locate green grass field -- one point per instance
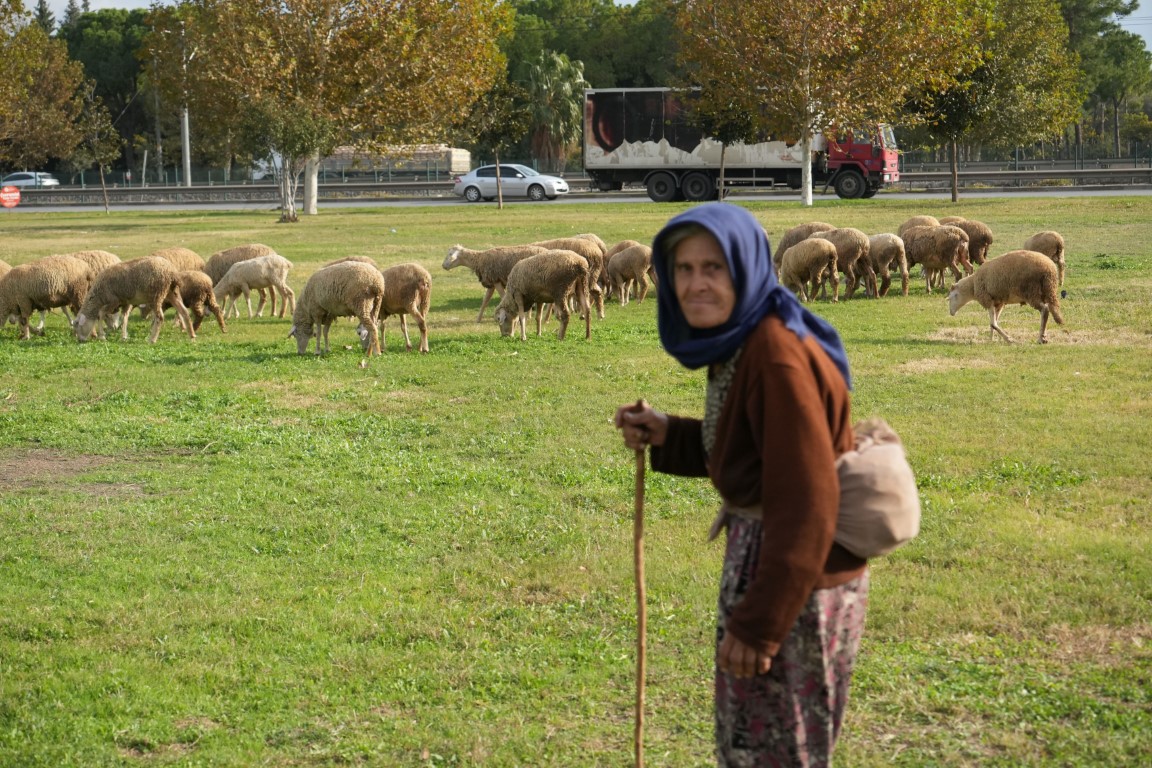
(219, 553)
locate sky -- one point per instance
(1139, 22)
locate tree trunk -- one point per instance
(1117, 105)
(806, 168)
(720, 189)
(311, 183)
(955, 168)
(289, 181)
(104, 188)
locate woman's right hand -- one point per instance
(640, 425)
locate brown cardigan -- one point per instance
(784, 422)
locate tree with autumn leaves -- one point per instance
(797, 68)
(303, 76)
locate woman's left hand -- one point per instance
(741, 660)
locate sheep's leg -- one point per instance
(599, 296)
(994, 317)
(562, 314)
(1043, 324)
(287, 296)
(374, 343)
(540, 313)
(25, 329)
(323, 332)
(177, 301)
(487, 296)
(215, 308)
(248, 300)
(522, 320)
(643, 289)
(404, 330)
(157, 322)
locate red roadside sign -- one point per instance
(9, 196)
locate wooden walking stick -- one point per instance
(641, 606)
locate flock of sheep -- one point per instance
(811, 256)
(560, 276)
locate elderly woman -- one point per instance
(776, 417)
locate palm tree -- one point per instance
(555, 87)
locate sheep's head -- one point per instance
(452, 259)
(303, 334)
(365, 336)
(83, 327)
(504, 320)
(960, 295)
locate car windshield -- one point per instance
(525, 170)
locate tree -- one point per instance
(817, 64)
(43, 16)
(99, 140)
(1124, 69)
(1024, 88)
(555, 87)
(371, 73)
(106, 43)
(42, 101)
(499, 120)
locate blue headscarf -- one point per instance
(758, 293)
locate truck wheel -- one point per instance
(698, 187)
(870, 192)
(850, 185)
(662, 187)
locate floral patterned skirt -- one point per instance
(791, 716)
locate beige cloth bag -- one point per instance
(879, 502)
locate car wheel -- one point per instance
(662, 187)
(472, 194)
(536, 193)
(850, 185)
(699, 187)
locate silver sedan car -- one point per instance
(516, 180)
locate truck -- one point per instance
(646, 136)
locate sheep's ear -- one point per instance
(292, 332)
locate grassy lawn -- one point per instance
(220, 553)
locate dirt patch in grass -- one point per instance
(1102, 337)
(42, 466)
(1104, 645)
(941, 365)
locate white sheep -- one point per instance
(886, 251)
(183, 258)
(348, 289)
(795, 235)
(53, 281)
(1017, 277)
(361, 259)
(917, 221)
(149, 281)
(243, 277)
(630, 268)
(407, 291)
(96, 259)
(1051, 244)
(553, 276)
(221, 261)
(593, 253)
(807, 262)
(937, 248)
(851, 259)
(491, 266)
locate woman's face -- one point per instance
(703, 283)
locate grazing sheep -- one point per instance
(886, 251)
(347, 289)
(491, 266)
(1023, 277)
(269, 272)
(630, 268)
(611, 254)
(979, 238)
(197, 294)
(937, 248)
(795, 235)
(808, 261)
(149, 281)
(407, 291)
(1051, 244)
(221, 261)
(53, 281)
(5, 267)
(361, 259)
(917, 221)
(183, 258)
(594, 255)
(596, 239)
(553, 276)
(851, 259)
